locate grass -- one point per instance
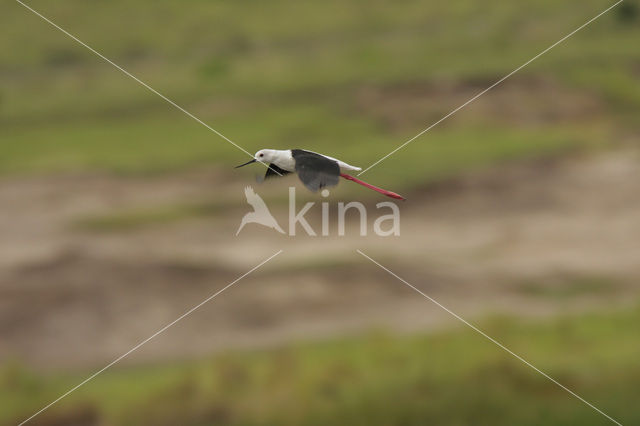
(266, 80)
(452, 377)
(568, 288)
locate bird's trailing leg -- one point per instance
(375, 188)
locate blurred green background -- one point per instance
(289, 74)
(103, 180)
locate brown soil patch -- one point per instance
(525, 238)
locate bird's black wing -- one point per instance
(314, 170)
(275, 171)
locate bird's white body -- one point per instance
(283, 159)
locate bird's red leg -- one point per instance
(375, 188)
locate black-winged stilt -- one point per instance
(316, 171)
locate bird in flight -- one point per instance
(260, 213)
(316, 171)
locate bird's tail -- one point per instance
(375, 188)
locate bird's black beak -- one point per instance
(248, 162)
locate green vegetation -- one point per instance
(454, 377)
(265, 79)
(568, 288)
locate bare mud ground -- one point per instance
(536, 238)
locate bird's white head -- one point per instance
(266, 155)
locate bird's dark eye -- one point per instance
(261, 155)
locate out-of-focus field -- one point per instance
(350, 78)
(118, 212)
(456, 377)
